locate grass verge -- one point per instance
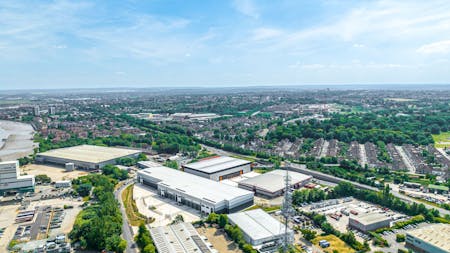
(134, 216)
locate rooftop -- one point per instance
(216, 164)
(178, 238)
(195, 186)
(435, 234)
(89, 153)
(369, 218)
(274, 180)
(438, 187)
(257, 224)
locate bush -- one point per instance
(400, 237)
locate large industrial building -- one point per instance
(261, 230)
(218, 168)
(369, 221)
(11, 181)
(272, 184)
(430, 239)
(88, 157)
(199, 193)
(179, 238)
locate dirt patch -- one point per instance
(218, 239)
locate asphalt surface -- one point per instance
(126, 228)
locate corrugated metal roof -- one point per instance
(178, 238)
(257, 224)
(370, 218)
(215, 164)
(89, 153)
(274, 180)
(437, 235)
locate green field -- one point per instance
(335, 244)
(442, 140)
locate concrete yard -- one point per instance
(54, 172)
(7, 215)
(162, 209)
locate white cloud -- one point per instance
(439, 47)
(246, 7)
(265, 33)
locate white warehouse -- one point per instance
(12, 181)
(218, 168)
(196, 192)
(261, 230)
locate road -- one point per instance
(126, 228)
(405, 159)
(396, 193)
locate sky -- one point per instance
(156, 43)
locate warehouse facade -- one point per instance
(261, 230)
(218, 168)
(272, 184)
(430, 239)
(202, 194)
(369, 221)
(11, 180)
(87, 157)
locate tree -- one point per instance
(150, 248)
(116, 244)
(43, 179)
(144, 241)
(84, 189)
(308, 234)
(223, 220)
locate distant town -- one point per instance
(229, 171)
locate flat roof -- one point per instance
(438, 187)
(274, 180)
(370, 218)
(195, 186)
(89, 153)
(257, 224)
(435, 234)
(178, 238)
(216, 164)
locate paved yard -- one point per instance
(162, 209)
(54, 172)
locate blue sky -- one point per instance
(69, 44)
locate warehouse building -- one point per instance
(179, 238)
(261, 230)
(87, 157)
(272, 184)
(218, 168)
(369, 221)
(202, 194)
(11, 181)
(430, 239)
(440, 189)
